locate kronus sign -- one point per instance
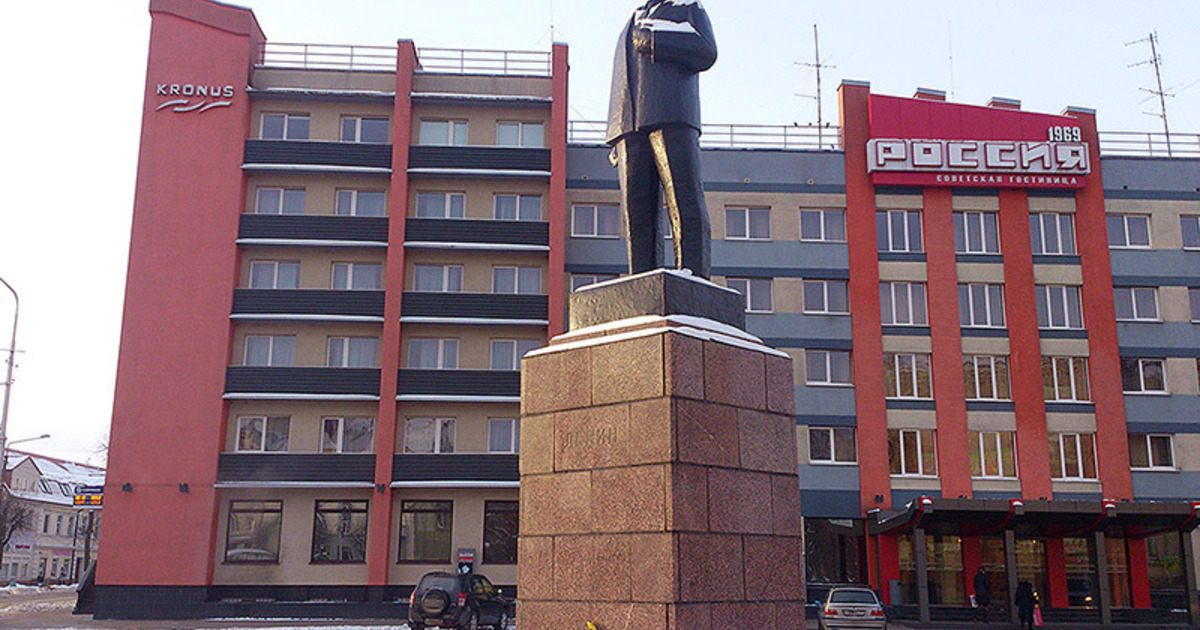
(992, 163)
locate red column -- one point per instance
(1139, 572)
(889, 565)
(972, 556)
(558, 191)
(1056, 567)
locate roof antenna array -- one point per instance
(817, 65)
(1156, 61)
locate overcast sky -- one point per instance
(74, 74)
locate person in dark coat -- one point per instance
(654, 129)
(1025, 601)
(983, 597)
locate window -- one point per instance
(981, 305)
(1052, 234)
(1143, 375)
(517, 208)
(284, 127)
(354, 352)
(441, 205)
(279, 201)
(523, 280)
(582, 280)
(829, 297)
(340, 532)
(357, 276)
(425, 530)
(986, 377)
(361, 203)
(827, 367)
(832, 445)
(252, 535)
(444, 132)
(520, 134)
(348, 435)
(263, 434)
(433, 354)
(823, 225)
(912, 452)
(1151, 451)
(1194, 299)
(1072, 456)
(993, 454)
(899, 231)
(596, 221)
(1128, 230)
(504, 435)
(356, 129)
(500, 526)
(1136, 303)
(1065, 379)
(1190, 226)
(437, 278)
(507, 353)
(270, 350)
(903, 304)
(272, 274)
(747, 224)
(976, 233)
(907, 375)
(756, 290)
(429, 435)
(1058, 306)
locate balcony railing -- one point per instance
(327, 56)
(797, 137)
(499, 62)
(1149, 144)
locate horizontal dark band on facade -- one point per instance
(809, 344)
(1070, 407)
(1046, 333)
(995, 495)
(1156, 281)
(299, 467)
(314, 302)
(321, 96)
(1047, 259)
(1162, 352)
(830, 504)
(251, 601)
(915, 191)
(990, 405)
(1153, 195)
(782, 272)
(827, 421)
(991, 333)
(912, 405)
(477, 231)
(901, 498)
(901, 257)
(906, 331)
(1078, 496)
(478, 158)
(455, 467)
(980, 259)
(494, 306)
(1049, 193)
(495, 383)
(1138, 426)
(727, 187)
(307, 227)
(302, 380)
(613, 270)
(312, 153)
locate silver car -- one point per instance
(851, 607)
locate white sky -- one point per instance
(68, 185)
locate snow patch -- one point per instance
(666, 26)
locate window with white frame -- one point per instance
(993, 454)
(912, 452)
(517, 208)
(433, 354)
(1194, 301)
(354, 434)
(981, 305)
(429, 435)
(263, 434)
(274, 274)
(365, 129)
(1058, 306)
(284, 127)
(357, 276)
(748, 224)
(580, 280)
(279, 201)
(530, 135)
(507, 353)
(596, 221)
(443, 132)
(437, 278)
(441, 205)
(1139, 376)
(1073, 456)
(1052, 233)
(270, 350)
(522, 280)
(1151, 451)
(361, 203)
(976, 233)
(504, 435)
(1136, 303)
(832, 445)
(903, 304)
(1128, 231)
(826, 297)
(757, 292)
(823, 226)
(986, 377)
(827, 367)
(353, 352)
(907, 375)
(1065, 379)
(1190, 227)
(899, 231)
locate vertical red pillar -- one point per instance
(558, 190)
(1139, 572)
(1056, 567)
(972, 555)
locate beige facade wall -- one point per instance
(470, 421)
(375, 81)
(320, 191)
(1174, 305)
(972, 203)
(986, 345)
(325, 117)
(479, 195)
(316, 263)
(1187, 451)
(899, 202)
(1071, 422)
(477, 268)
(903, 272)
(1181, 377)
(1065, 347)
(1164, 218)
(980, 273)
(911, 419)
(474, 342)
(991, 421)
(1071, 275)
(304, 429)
(489, 85)
(1052, 204)
(481, 121)
(467, 531)
(312, 339)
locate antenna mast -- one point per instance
(1156, 60)
(817, 65)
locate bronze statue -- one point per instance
(654, 129)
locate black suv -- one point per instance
(460, 601)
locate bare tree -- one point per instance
(15, 516)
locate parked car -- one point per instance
(457, 601)
(851, 607)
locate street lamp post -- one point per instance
(8, 380)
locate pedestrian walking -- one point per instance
(1026, 601)
(983, 597)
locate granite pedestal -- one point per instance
(658, 472)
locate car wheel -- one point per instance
(435, 602)
(502, 622)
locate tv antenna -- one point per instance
(817, 65)
(1156, 61)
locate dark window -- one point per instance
(425, 531)
(253, 532)
(340, 532)
(500, 532)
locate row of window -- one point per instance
(373, 203)
(356, 434)
(295, 126)
(993, 454)
(363, 352)
(285, 274)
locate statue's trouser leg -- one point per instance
(639, 198)
(677, 155)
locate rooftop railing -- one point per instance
(496, 62)
(1149, 144)
(794, 137)
(327, 56)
